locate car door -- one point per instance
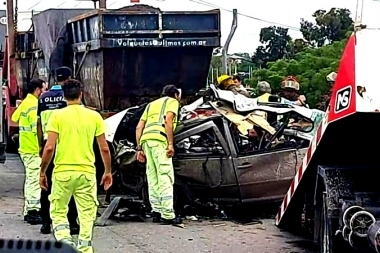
(205, 169)
(267, 176)
(264, 175)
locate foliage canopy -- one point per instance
(309, 59)
(310, 67)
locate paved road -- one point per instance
(220, 237)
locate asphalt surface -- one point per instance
(145, 237)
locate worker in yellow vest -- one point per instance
(71, 131)
(155, 146)
(264, 90)
(26, 118)
(48, 102)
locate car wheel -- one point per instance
(180, 200)
(144, 195)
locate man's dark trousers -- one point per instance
(45, 203)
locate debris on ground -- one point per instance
(219, 225)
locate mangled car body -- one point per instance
(229, 149)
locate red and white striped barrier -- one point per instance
(301, 170)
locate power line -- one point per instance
(34, 5)
(61, 4)
(205, 3)
(39, 2)
(112, 3)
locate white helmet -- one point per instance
(264, 87)
(331, 77)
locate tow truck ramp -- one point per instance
(301, 171)
(341, 216)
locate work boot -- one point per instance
(156, 217)
(45, 229)
(34, 217)
(74, 229)
(177, 221)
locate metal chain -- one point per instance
(15, 25)
(15, 18)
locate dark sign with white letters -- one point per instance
(343, 99)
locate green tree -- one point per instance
(245, 63)
(310, 67)
(242, 61)
(216, 62)
(328, 27)
(276, 45)
(296, 46)
(216, 67)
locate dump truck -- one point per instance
(2, 99)
(335, 196)
(123, 57)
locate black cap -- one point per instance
(63, 72)
(170, 89)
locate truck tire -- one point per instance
(10, 146)
(325, 239)
(329, 242)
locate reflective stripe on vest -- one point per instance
(25, 114)
(24, 123)
(28, 128)
(156, 130)
(27, 123)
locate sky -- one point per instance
(288, 13)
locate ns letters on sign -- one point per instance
(343, 99)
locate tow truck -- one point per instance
(335, 195)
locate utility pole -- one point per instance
(358, 24)
(228, 41)
(10, 28)
(11, 36)
(102, 4)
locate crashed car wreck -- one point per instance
(229, 149)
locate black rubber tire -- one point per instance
(144, 195)
(10, 146)
(324, 232)
(328, 241)
(180, 198)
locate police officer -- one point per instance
(71, 131)
(48, 102)
(26, 117)
(155, 145)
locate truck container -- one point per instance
(123, 57)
